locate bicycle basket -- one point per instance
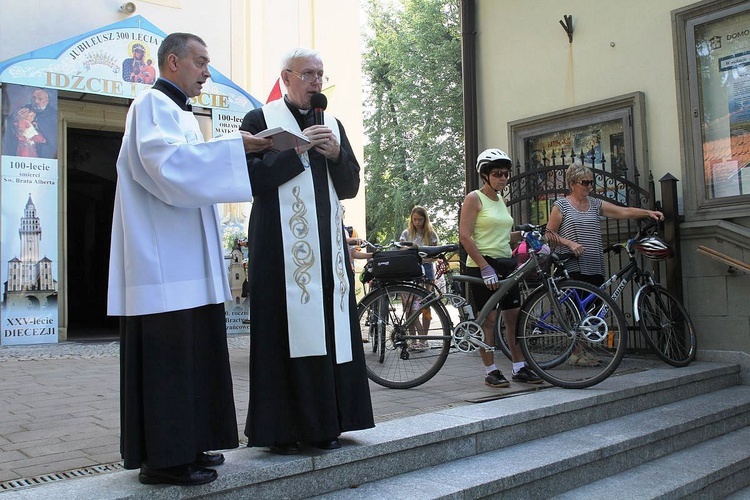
(653, 248)
(397, 264)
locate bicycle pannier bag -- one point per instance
(397, 264)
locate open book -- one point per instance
(283, 139)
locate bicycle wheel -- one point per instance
(666, 325)
(412, 340)
(587, 353)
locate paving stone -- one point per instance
(83, 445)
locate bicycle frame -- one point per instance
(625, 276)
(505, 285)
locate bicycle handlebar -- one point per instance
(380, 248)
(651, 223)
(645, 230)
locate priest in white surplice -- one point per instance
(167, 276)
(308, 382)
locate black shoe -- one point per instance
(496, 379)
(527, 376)
(328, 444)
(181, 475)
(205, 459)
(285, 449)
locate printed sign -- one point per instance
(28, 252)
(234, 220)
(118, 60)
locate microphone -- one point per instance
(318, 102)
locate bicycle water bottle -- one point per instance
(533, 241)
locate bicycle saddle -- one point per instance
(430, 251)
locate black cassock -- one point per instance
(310, 398)
(175, 387)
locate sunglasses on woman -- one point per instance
(500, 173)
(586, 183)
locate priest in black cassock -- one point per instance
(308, 382)
(167, 276)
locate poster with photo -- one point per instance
(589, 143)
(722, 52)
(234, 220)
(28, 253)
(29, 117)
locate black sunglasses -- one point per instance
(586, 182)
(500, 173)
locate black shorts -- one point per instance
(480, 294)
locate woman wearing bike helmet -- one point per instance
(485, 233)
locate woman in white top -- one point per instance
(575, 221)
(420, 233)
(574, 226)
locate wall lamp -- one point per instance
(128, 8)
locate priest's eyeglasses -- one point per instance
(309, 76)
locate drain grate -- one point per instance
(58, 476)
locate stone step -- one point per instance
(442, 439)
(712, 469)
(611, 449)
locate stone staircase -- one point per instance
(658, 433)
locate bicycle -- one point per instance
(389, 315)
(662, 319)
(376, 335)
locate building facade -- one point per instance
(75, 173)
(647, 90)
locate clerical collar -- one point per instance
(294, 109)
(173, 92)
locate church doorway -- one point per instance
(91, 179)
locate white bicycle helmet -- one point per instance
(494, 156)
(654, 248)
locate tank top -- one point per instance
(492, 229)
(584, 228)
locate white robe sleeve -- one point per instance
(169, 158)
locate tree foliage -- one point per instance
(414, 115)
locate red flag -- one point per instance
(275, 92)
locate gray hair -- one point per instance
(576, 172)
(298, 53)
(177, 44)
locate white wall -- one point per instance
(527, 67)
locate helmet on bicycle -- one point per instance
(493, 158)
(654, 248)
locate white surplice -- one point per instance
(167, 251)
